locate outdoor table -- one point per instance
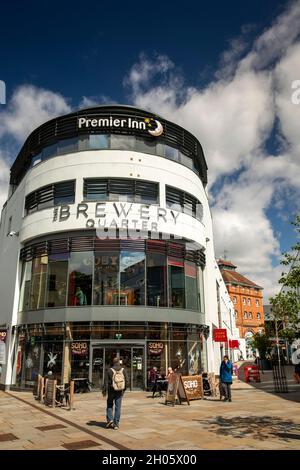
(161, 385)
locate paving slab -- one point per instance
(256, 419)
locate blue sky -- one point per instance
(221, 69)
(78, 49)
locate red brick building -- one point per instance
(247, 299)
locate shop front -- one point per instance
(85, 351)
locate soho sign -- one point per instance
(117, 215)
(153, 126)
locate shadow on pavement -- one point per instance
(100, 424)
(267, 383)
(255, 427)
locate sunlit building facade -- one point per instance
(106, 239)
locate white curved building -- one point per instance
(107, 249)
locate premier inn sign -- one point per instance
(124, 215)
(152, 126)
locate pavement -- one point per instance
(256, 419)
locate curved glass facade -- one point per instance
(115, 142)
(129, 273)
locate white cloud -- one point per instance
(28, 108)
(233, 117)
(89, 101)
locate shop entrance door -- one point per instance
(133, 358)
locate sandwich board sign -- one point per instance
(193, 386)
(176, 390)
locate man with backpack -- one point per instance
(115, 384)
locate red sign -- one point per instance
(220, 335)
(233, 344)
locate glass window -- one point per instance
(185, 160)
(250, 315)
(38, 283)
(80, 278)
(257, 303)
(83, 142)
(244, 301)
(67, 146)
(132, 283)
(156, 280)
(191, 286)
(145, 146)
(121, 189)
(236, 314)
(249, 301)
(95, 189)
(122, 142)
(106, 278)
(160, 149)
(57, 280)
(49, 152)
(201, 291)
(98, 141)
(171, 153)
(258, 316)
(37, 159)
(64, 193)
(176, 283)
(234, 300)
(25, 286)
(245, 315)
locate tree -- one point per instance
(262, 343)
(286, 304)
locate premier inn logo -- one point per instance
(152, 126)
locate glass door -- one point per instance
(132, 359)
(137, 371)
(97, 375)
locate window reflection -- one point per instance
(191, 286)
(25, 286)
(156, 280)
(132, 282)
(111, 278)
(115, 142)
(38, 283)
(106, 279)
(176, 283)
(57, 280)
(80, 278)
(99, 141)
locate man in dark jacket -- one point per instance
(226, 371)
(115, 384)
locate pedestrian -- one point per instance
(170, 372)
(114, 386)
(152, 378)
(226, 371)
(296, 374)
